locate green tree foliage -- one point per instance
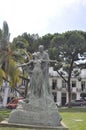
(22, 55)
(71, 44)
(19, 43)
(61, 47)
(33, 41)
(55, 44)
(45, 40)
(7, 61)
(5, 36)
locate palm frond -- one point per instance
(14, 73)
(2, 75)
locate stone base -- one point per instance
(44, 118)
(14, 125)
(38, 112)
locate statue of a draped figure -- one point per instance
(36, 82)
(40, 77)
(38, 108)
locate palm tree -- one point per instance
(10, 57)
(8, 66)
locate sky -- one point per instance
(42, 16)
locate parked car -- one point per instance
(14, 102)
(77, 103)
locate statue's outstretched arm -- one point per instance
(25, 64)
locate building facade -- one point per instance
(60, 90)
(58, 87)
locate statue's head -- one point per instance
(41, 48)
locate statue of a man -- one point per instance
(44, 58)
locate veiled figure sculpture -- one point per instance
(40, 77)
(38, 108)
(36, 82)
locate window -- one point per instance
(54, 84)
(63, 99)
(63, 84)
(82, 85)
(73, 96)
(73, 84)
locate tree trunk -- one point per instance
(69, 86)
(6, 90)
(69, 95)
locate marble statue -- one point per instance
(40, 108)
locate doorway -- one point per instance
(63, 98)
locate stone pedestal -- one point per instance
(31, 127)
(40, 112)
